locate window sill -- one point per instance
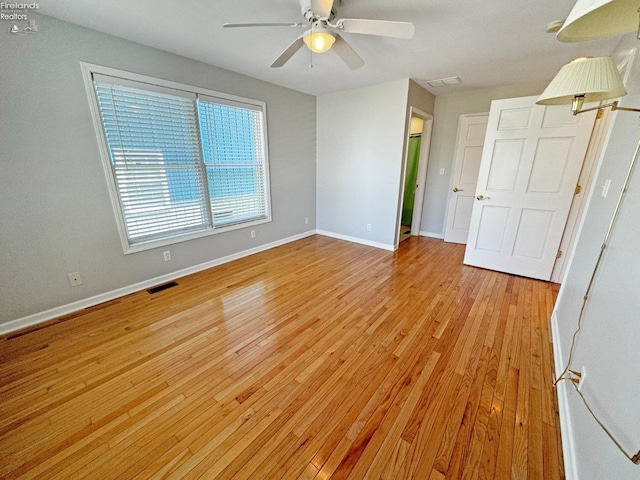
(151, 244)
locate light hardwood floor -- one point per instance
(318, 359)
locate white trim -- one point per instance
(56, 312)
(384, 246)
(577, 213)
(141, 247)
(564, 412)
(88, 69)
(432, 235)
(137, 77)
(421, 176)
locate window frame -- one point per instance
(88, 70)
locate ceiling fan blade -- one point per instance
(322, 8)
(276, 24)
(346, 53)
(383, 28)
(284, 57)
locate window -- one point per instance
(181, 162)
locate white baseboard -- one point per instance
(432, 235)
(56, 312)
(566, 431)
(384, 246)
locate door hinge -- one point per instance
(599, 114)
(559, 254)
(578, 189)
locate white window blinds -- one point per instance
(233, 149)
(181, 164)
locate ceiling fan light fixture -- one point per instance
(319, 40)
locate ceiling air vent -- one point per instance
(442, 82)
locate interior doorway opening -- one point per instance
(414, 174)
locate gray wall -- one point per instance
(55, 211)
(361, 135)
(447, 111)
(420, 98)
(609, 343)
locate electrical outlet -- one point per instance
(167, 255)
(74, 279)
(253, 234)
(442, 171)
(306, 220)
(368, 227)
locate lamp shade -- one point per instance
(594, 79)
(319, 40)
(592, 19)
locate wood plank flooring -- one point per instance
(317, 359)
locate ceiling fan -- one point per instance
(322, 32)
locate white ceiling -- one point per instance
(486, 43)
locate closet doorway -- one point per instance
(414, 174)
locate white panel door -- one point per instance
(471, 132)
(528, 173)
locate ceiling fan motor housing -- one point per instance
(310, 15)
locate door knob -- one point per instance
(482, 197)
(456, 189)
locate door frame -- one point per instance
(585, 182)
(423, 160)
